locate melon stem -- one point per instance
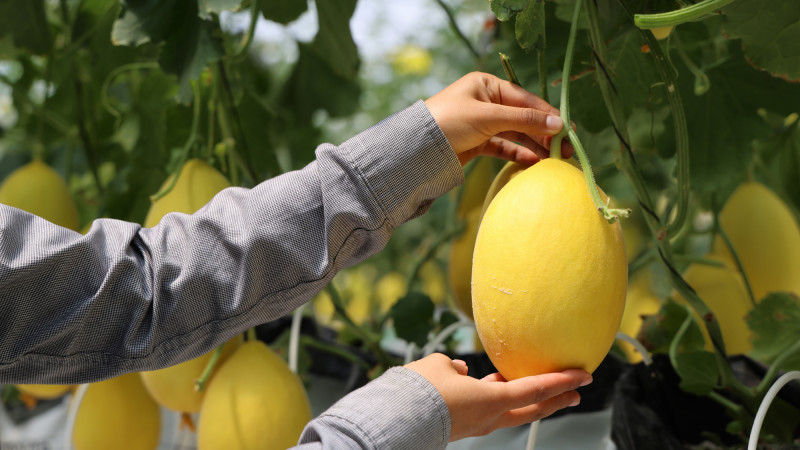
(555, 145)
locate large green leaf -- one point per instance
(314, 85)
(770, 34)
(505, 9)
(530, 26)
(190, 43)
(333, 42)
(283, 11)
(26, 21)
(775, 323)
(413, 318)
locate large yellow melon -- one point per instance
(198, 182)
(468, 211)
(117, 413)
(254, 402)
(38, 189)
(723, 291)
(766, 237)
(174, 386)
(549, 275)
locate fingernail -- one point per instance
(554, 123)
(587, 381)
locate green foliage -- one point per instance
(775, 323)
(26, 22)
(413, 318)
(770, 34)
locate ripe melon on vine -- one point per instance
(198, 182)
(722, 289)
(766, 237)
(174, 387)
(253, 402)
(117, 413)
(549, 274)
(459, 267)
(38, 189)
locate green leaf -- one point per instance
(775, 323)
(190, 43)
(698, 371)
(781, 153)
(659, 330)
(315, 85)
(505, 9)
(333, 43)
(145, 21)
(530, 26)
(770, 34)
(207, 7)
(283, 11)
(26, 21)
(413, 317)
(189, 51)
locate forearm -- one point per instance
(399, 410)
(122, 298)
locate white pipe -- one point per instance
(638, 346)
(534, 430)
(762, 409)
(294, 337)
(72, 414)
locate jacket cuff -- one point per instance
(400, 409)
(414, 149)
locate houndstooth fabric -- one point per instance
(80, 308)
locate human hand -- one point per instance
(481, 114)
(478, 407)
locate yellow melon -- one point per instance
(198, 182)
(766, 238)
(254, 402)
(459, 267)
(549, 275)
(174, 387)
(117, 413)
(44, 391)
(38, 189)
(723, 291)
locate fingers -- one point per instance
(506, 93)
(460, 366)
(539, 411)
(497, 118)
(535, 389)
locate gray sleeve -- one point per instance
(77, 309)
(400, 410)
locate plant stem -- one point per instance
(679, 16)
(251, 334)
(187, 146)
(334, 350)
(440, 240)
(370, 339)
(247, 39)
(244, 154)
(739, 266)
(454, 26)
(769, 377)
(733, 407)
(201, 381)
(542, 64)
(107, 83)
(505, 61)
(555, 144)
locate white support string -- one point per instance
(294, 337)
(534, 430)
(72, 414)
(762, 409)
(638, 346)
(431, 346)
